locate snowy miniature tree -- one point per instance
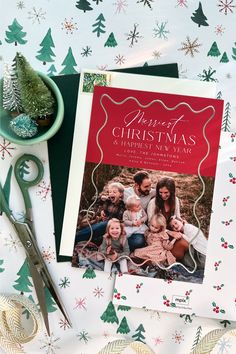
(46, 53)
(11, 93)
(138, 335)
(83, 5)
(69, 63)
(109, 315)
(23, 283)
(99, 25)
(36, 97)
(123, 327)
(214, 50)
(199, 17)
(224, 58)
(15, 34)
(111, 42)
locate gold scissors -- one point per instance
(25, 231)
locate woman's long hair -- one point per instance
(169, 183)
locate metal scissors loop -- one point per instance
(39, 272)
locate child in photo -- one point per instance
(134, 217)
(115, 245)
(159, 245)
(196, 239)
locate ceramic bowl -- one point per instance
(44, 133)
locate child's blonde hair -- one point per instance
(131, 201)
(107, 236)
(160, 220)
(117, 185)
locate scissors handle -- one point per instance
(26, 184)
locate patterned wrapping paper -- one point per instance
(152, 32)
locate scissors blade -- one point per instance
(39, 289)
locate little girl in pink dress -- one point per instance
(159, 245)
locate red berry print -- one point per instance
(232, 178)
(217, 309)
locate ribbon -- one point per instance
(12, 333)
(117, 346)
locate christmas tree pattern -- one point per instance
(139, 334)
(97, 1)
(83, 5)
(15, 35)
(50, 303)
(26, 312)
(46, 53)
(99, 25)
(123, 308)
(23, 283)
(197, 337)
(111, 42)
(199, 17)
(214, 50)
(69, 63)
(226, 118)
(1, 263)
(234, 52)
(52, 70)
(123, 327)
(109, 315)
(224, 58)
(89, 273)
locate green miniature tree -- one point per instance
(99, 25)
(15, 35)
(139, 336)
(83, 5)
(234, 52)
(123, 327)
(69, 63)
(23, 283)
(111, 42)
(37, 99)
(1, 263)
(89, 273)
(199, 17)
(226, 118)
(109, 315)
(224, 58)
(50, 303)
(46, 53)
(52, 70)
(214, 50)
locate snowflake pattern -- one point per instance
(219, 30)
(156, 54)
(83, 336)
(226, 6)
(86, 51)
(64, 283)
(36, 15)
(98, 292)
(5, 149)
(207, 75)
(160, 30)
(44, 190)
(12, 243)
(69, 26)
(157, 341)
(145, 2)
(178, 337)
(182, 3)
(119, 59)
(120, 6)
(224, 344)
(48, 255)
(63, 323)
(133, 36)
(80, 304)
(20, 5)
(190, 47)
(49, 344)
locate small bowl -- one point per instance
(44, 133)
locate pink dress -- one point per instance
(158, 249)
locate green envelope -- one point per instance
(59, 147)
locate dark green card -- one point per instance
(59, 147)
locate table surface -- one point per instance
(152, 32)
